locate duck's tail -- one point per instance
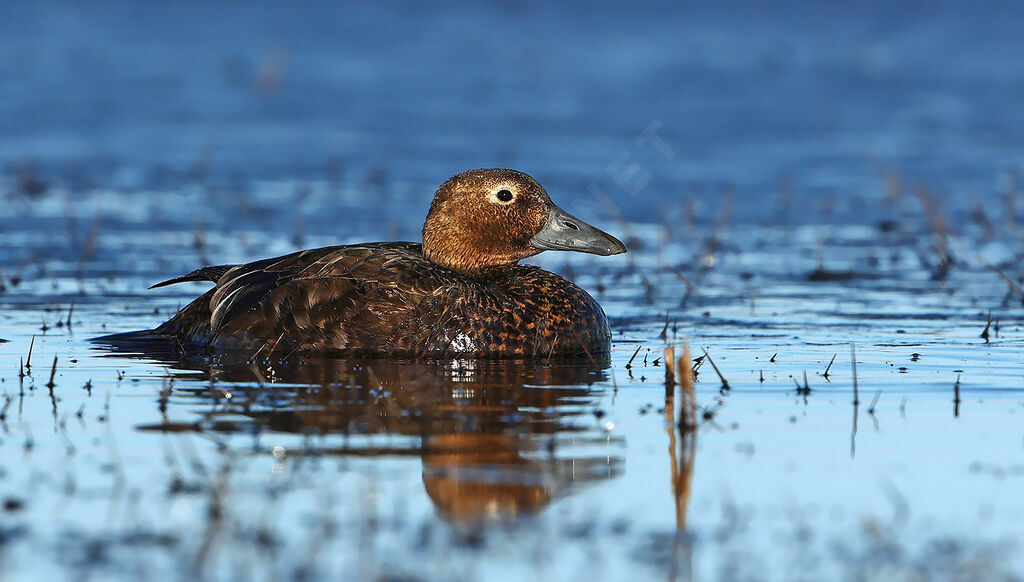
(127, 337)
(146, 341)
(211, 274)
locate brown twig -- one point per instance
(28, 360)
(687, 391)
(1013, 284)
(629, 364)
(725, 383)
(53, 372)
(670, 375)
(830, 366)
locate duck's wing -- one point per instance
(238, 287)
(328, 299)
(245, 286)
(319, 297)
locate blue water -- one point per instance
(748, 94)
(788, 178)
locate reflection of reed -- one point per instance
(682, 436)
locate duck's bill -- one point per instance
(565, 232)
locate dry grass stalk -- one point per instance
(687, 391)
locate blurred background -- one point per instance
(644, 103)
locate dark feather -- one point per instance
(211, 274)
(245, 286)
(387, 297)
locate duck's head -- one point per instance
(482, 220)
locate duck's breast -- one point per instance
(526, 312)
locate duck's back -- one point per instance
(387, 298)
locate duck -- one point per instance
(461, 292)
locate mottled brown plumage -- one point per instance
(459, 293)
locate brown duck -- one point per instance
(461, 292)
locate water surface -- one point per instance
(793, 183)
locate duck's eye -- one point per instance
(505, 195)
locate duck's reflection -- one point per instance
(498, 439)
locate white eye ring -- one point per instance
(503, 195)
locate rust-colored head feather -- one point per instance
(483, 220)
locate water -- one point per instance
(790, 181)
